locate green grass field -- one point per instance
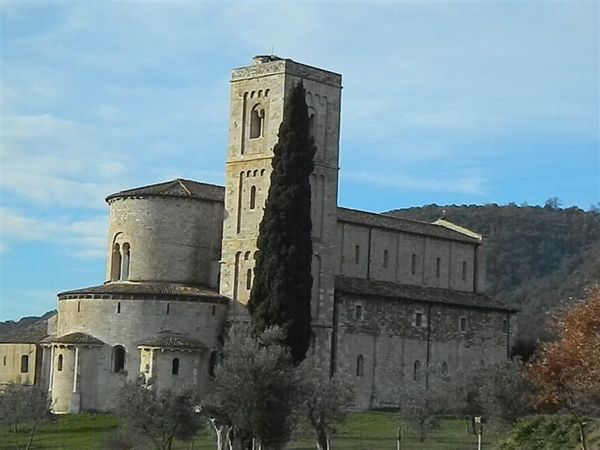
(362, 431)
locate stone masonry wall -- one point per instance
(10, 363)
(392, 255)
(171, 239)
(130, 322)
(390, 339)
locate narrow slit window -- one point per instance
(311, 125)
(386, 258)
(118, 359)
(444, 368)
(437, 267)
(360, 366)
(413, 267)
(358, 312)
(175, 366)
(119, 308)
(125, 262)
(253, 197)
(168, 308)
(78, 306)
(464, 270)
(257, 117)
(212, 363)
(115, 266)
(59, 363)
(249, 279)
(417, 370)
(4, 360)
(505, 326)
(418, 319)
(214, 309)
(357, 254)
(463, 324)
(24, 363)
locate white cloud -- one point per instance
(53, 161)
(472, 185)
(86, 237)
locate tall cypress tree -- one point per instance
(283, 280)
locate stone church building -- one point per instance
(393, 299)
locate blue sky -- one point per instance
(466, 103)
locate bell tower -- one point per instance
(258, 96)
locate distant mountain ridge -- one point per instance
(27, 329)
(538, 258)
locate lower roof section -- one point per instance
(74, 339)
(173, 341)
(147, 290)
(399, 291)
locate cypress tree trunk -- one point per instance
(283, 280)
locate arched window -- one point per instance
(175, 366)
(413, 267)
(253, 197)
(386, 258)
(417, 370)
(257, 118)
(444, 368)
(115, 265)
(357, 254)
(125, 262)
(360, 366)
(59, 363)
(249, 279)
(212, 363)
(24, 364)
(118, 358)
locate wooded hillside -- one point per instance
(537, 258)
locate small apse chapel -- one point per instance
(393, 302)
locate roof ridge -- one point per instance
(180, 181)
(178, 187)
(385, 215)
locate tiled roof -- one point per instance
(174, 341)
(175, 188)
(396, 223)
(400, 291)
(146, 289)
(77, 338)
